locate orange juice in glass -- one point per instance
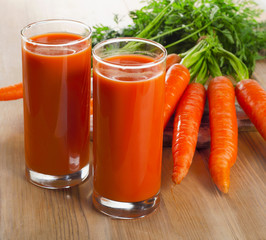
(128, 94)
(56, 59)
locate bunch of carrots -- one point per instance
(186, 99)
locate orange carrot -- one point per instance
(11, 92)
(252, 98)
(91, 106)
(176, 80)
(186, 127)
(224, 132)
(172, 59)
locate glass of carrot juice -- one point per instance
(128, 101)
(56, 60)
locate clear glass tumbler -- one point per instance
(56, 60)
(128, 102)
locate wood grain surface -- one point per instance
(195, 209)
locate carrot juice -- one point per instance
(128, 93)
(56, 81)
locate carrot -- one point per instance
(224, 132)
(252, 98)
(172, 59)
(11, 92)
(177, 78)
(186, 127)
(91, 106)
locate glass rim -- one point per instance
(160, 60)
(28, 40)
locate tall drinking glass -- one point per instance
(56, 59)
(128, 95)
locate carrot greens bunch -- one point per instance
(203, 60)
(178, 25)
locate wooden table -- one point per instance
(193, 210)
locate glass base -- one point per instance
(57, 182)
(125, 210)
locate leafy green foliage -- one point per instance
(235, 26)
(101, 33)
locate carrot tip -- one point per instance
(221, 179)
(224, 188)
(177, 177)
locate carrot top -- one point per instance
(202, 61)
